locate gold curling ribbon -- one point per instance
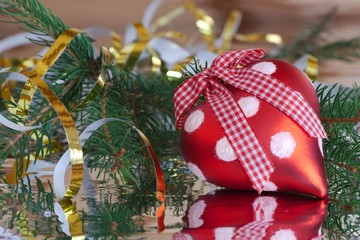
(18, 62)
(312, 67)
(116, 41)
(76, 154)
(23, 224)
(164, 20)
(228, 31)
(73, 218)
(36, 81)
(273, 38)
(42, 67)
(160, 182)
(6, 95)
(172, 34)
(204, 23)
(130, 54)
(116, 45)
(12, 177)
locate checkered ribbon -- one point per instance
(237, 130)
(252, 231)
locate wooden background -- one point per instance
(286, 17)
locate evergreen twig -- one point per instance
(307, 40)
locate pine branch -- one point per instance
(43, 22)
(345, 50)
(34, 16)
(307, 40)
(339, 103)
(340, 106)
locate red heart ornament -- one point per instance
(296, 156)
(245, 215)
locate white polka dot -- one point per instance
(264, 208)
(249, 105)
(195, 212)
(320, 142)
(194, 121)
(282, 144)
(224, 233)
(224, 151)
(284, 234)
(265, 67)
(270, 186)
(196, 171)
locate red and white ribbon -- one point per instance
(247, 148)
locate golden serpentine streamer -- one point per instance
(73, 218)
(127, 56)
(35, 81)
(312, 67)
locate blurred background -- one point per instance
(285, 17)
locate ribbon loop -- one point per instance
(188, 93)
(229, 67)
(235, 59)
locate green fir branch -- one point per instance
(43, 22)
(345, 50)
(340, 112)
(307, 40)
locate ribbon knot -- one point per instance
(230, 68)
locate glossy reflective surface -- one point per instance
(106, 209)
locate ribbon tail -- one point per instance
(246, 146)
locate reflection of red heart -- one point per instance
(297, 157)
(232, 215)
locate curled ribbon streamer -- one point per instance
(116, 40)
(17, 40)
(36, 81)
(130, 54)
(19, 62)
(6, 95)
(204, 23)
(59, 171)
(248, 150)
(308, 64)
(160, 182)
(16, 127)
(5, 88)
(76, 154)
(230, 28)
(163, 20)
(256, 37)
(23, 225)
(43, 66)
(68, 215)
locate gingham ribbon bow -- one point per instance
(247, 148)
